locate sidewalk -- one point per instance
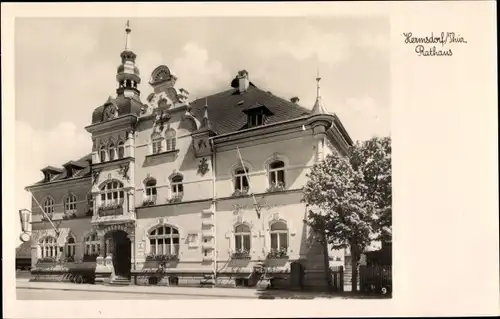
(235, 293)
(182, 291)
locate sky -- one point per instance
(65, 68)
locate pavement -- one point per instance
(56, 290)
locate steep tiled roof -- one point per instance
(83, 162)
(225, 109)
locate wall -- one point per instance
(59, 192)
(186, 217)
(297, 153)
(164, 166)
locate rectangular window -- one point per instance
(283, 240)
(238, 244)
(274, 241)
(157, 146)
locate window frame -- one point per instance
(70, 248)
(102, 154)
(48, 206)
(121, 149)
(150, 190)
(240, 236)
(155, 237)
(177, 187)
(170, 139)
(69, 202)
(238, 176)
(273, 173)
(106, 192)
(48, 247)
(278, 233)
(92, 244)
(112, 152)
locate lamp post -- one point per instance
(25, 216)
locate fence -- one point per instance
(374, 278)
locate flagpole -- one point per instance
(43, 211)
(248, 180)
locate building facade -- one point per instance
(198, 191)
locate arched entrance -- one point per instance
(121, 252)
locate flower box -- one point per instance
(281, 253)
(176, 198)
(276, 187)
(51, 260)
(162, 257)
(241, 254)
(240, 192)
(110, 210)
(148, 202)
(69, 216)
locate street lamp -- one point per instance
(24, 216)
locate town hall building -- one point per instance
(178, 191)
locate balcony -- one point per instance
(113, 212)
(113, 208)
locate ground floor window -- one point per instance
(48, 247)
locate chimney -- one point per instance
(294, 100)
(243, 81)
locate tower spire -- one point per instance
(318, 107)
(128, 76)
(206, 121)
(127, 38)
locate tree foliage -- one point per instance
(351, 196)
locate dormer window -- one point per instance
(50, 172)
(257, 115)
(255, 120)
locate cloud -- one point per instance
(36, 149)
(364, 118)
(376, 41)
(199, 73)
(330, 48)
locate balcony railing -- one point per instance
(112, 208)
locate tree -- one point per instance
(351, 199)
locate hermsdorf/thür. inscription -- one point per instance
(434, 45)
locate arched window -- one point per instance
(242, 238)
(112, 152)
(177, 187)
(121, 149)
(164, 240)
(151, 190)
(102, 154)
(70, 248)
(240, 179)
(48, 247)
(48, 206)
(112, 193)
(170, 137)
(157, 143)
(70, 204)
(277, 174)
(279, 236)
(92, 246)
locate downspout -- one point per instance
(214, 195)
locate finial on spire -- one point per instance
(318, 79)
(206, 121)
(318, 107)
(127, 39)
